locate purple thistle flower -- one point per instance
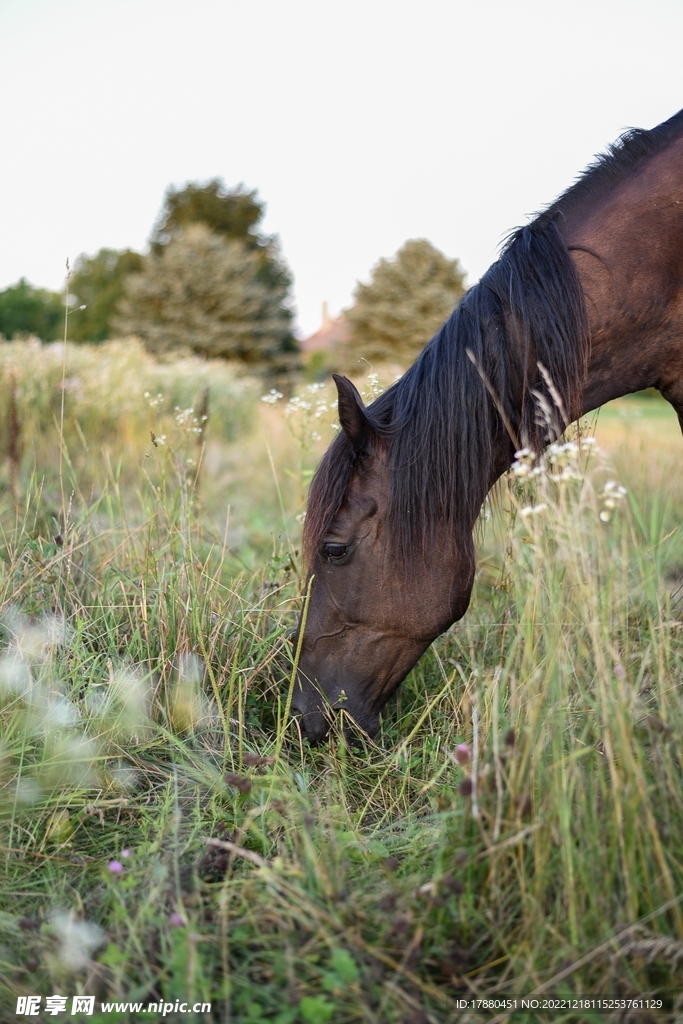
(462, 753)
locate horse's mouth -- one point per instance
(316, 723)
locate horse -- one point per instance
(584, 305)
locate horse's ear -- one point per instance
(352, 415)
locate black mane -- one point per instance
(510, 360)
(623, 158)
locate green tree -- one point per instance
(406, 301)
(28, 310)
(234, 214)
(97, 282)
(205, 292)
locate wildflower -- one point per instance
(295, 404)
(611, 494)
(374, 387)
(462, 753)
(615, 490)
(175, 920)
(116, 867)
(533, 510)
(524, 460)
(125, 854)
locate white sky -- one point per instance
(362, 123)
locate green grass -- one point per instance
(143, 687)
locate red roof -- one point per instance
(332, 333)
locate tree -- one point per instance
(97, 282)
(28, 310)
(406, 301)
(234, 214)
(205, 292)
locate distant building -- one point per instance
(332, 333)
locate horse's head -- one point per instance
(374, 608)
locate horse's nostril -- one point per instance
(314, 726)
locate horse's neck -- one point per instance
(629, 255)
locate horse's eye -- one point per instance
(334, 551)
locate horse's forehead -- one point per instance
(369, 477)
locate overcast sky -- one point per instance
(361, 124)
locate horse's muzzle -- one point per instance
(317, 715)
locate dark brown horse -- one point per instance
(585, 304)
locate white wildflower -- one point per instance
(611, 494)
(533, 510)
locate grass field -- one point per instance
(165, 834)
